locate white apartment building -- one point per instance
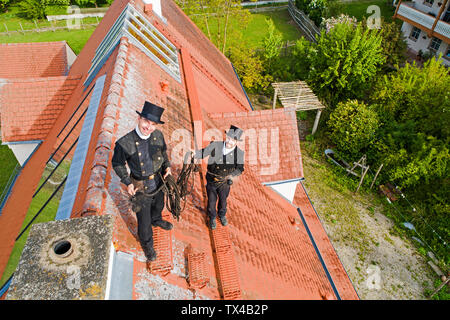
(426, 26)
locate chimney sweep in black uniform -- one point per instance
(145, 152)
(225, 162)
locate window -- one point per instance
(144, 36)
(447, 54)
(435, 44)
(414, 34)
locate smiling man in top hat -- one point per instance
(225, 162)
(145, 152)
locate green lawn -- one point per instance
(76, 38)
(8, 162)
(358, 9)
(48, 214)
(257, 27)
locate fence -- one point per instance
(46, 26)
(305, 24)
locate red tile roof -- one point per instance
(271, 141)
(38, 59)
(263, 253)
(29, 107)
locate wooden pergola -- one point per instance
(297, 94)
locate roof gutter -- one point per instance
(330, 279)
(237, 76)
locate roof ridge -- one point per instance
(215, 115)
(33, 43)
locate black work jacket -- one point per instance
(220, 164)
(144, 157)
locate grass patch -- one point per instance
(76, 38)
(257, 27)
(335, 200)
(48, 214)
(9, 162)
(358, 9)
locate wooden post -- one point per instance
(7, 31)
(376, 175)
(275, 98)
(21, 27)
(316, 121)
(438, 16)
(440, 287)
(362, 178)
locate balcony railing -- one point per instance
(415, 15)
(443, 28)
(425, 20)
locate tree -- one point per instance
(37, 9)
(352, 126)
(416, 94)
(85, 3)
(346, 61)
(393, 43)
(271, 44)
(249, 67)
(4, 5)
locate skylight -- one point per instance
(143, 35)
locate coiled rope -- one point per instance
(175, 192)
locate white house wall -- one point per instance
(423, 42)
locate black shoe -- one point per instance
(150, 253)
(212, 224)
(223, 220)
(166, 225)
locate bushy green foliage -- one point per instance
(302, 56)
(417, 94)
(249, 67)
(347, 60)
(272, 44)
(85, 3)
(37, 9)
(352, 126)
(315, 9)
(4, 5)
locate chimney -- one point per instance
(65, 260)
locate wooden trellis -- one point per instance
(297, 94)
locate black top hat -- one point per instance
(151, 112)
(235, 133)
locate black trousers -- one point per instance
(215, 192)
(150, 212)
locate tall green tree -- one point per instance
(249, 66)
(347, 60)
(271, 45)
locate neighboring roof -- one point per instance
(263, 253)
(29, 60)
(271, 141)
(29, 107)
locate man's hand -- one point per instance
(131, 189)
(168, 171)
